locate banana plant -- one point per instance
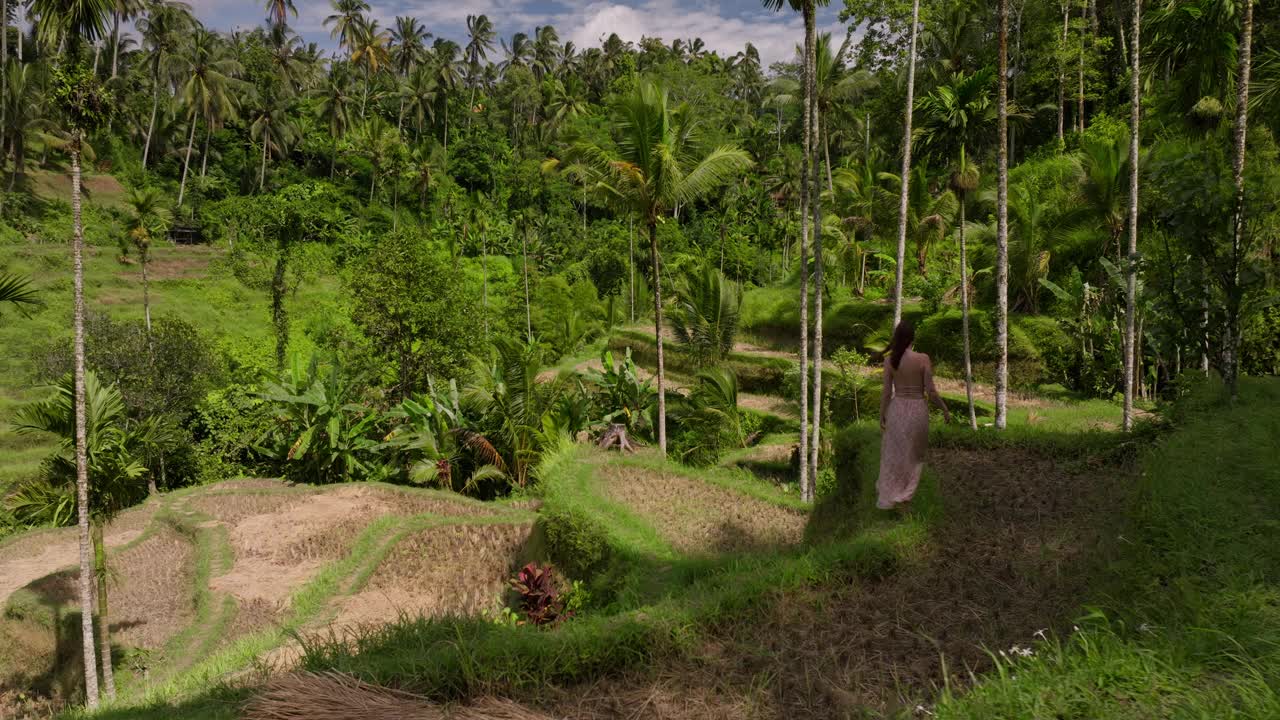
(319, 434)
(431, 443)
(626, 399)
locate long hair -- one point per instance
(903, 336)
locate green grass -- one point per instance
(1190, 624)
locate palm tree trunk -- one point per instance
(1062, 75)
(204, 152)
(815, 208)
(1080, 75)
(115, 44)
(484, 271)
(186, 161)
(806, 157)
(1002, 224)
(826, 153)
(146, 292)
(964, 320)
(631, 267)
(373, 182)
(1135, 114)
(528, 313)
(906, 164)
(1231, 349)
(82, 462)
(4, 65)
(151, 126)
(103, 626)
(262, 173)
(657, 333)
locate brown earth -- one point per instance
(34, 556)
(700, 518)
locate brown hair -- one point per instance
(903, 336)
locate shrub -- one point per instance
(540, 599)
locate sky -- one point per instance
(724, 26)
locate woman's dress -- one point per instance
(903, 445)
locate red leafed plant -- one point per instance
(540, 599)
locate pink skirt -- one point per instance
(903, 446)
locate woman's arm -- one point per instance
(886, 390)
(933, 390)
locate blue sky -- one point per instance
(723, 26)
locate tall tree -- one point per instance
(278, 12)
(148, 218)
(124, 10)
(161, 30)
(1002, 223)
(480, 33)
(656, 164)
(206, 91)
(346, 17)
(1130, 312)
(905, 191)
(1240, 130)
(335, 109)
(368, 45)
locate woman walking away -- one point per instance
(904, 417)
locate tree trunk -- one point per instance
(333, 155)
(631, 267)
(528, 313)
(815, 208)
(279, 319)
(1135, 115)
(1231, 349)
(1002, 224)
(186, 161)
(826, 154)
(1062, 75)
(964, 320)
(82, 462)
(204, 152)
(904, 197)
(484, 271)
(4, 66)
(807, 157)
(103, 622)
(115, 45)
(657, 333)
(146, 292)
(151, 126)
(262, 173)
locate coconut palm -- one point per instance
(207, 91)
(334, 108)
(379, 142)
(25, 113)
(418, 98)
(278, 12)
(124, 10)
(1002, 221)
(347, 16)
(161, 30)
(547, 52)
(1103, 184)
(1240, 142)
(408, 44)
(368, 45)
(273, 126)
(655, 165)
(148, 219)
(73, 22)
(1131, 284)
(481, 33)
(17, 291)
(705, 316)
(907, 136)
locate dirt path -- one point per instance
(30, 558)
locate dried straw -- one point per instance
(335, 696)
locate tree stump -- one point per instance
(616, 435)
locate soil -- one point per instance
(699, 518)
(37, 555)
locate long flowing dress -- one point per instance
(904, 442)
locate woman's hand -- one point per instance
(882, 423)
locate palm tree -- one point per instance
(207, 91)
(1002, 222)
(425, 163)
(907, 135)
(1240, 140)
(1130, 312)
(273, 127)
(481, 33)
(16, 290)
(161, 30)
(369, 49)
(278, 12)
(964, 181)
(418, 99)
(335, 109)
(705, 316)
(73, 22)
(1102, 185)
(520, 53)
(447, 77)
(124, 10)
(347, 16)
(148, 218)
(408, 44)
(547, 52)
(379, 142)
(24, 112)
(655, 165)
(90, 418)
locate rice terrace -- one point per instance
(376, 359)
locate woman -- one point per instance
(904, 418)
